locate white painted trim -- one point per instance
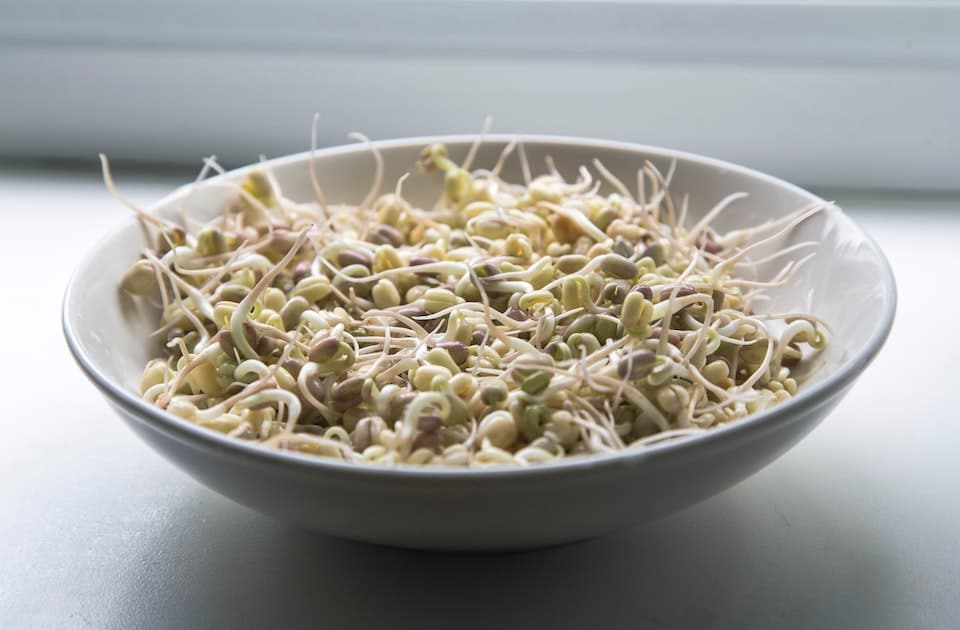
(872, 33)
(827, 94)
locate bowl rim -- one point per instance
(194, 435)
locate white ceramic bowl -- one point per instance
(849, 283)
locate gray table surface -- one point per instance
(856, 527)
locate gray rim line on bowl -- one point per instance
(806, 399)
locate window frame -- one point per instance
(865, 88)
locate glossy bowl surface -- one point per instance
(848, 283)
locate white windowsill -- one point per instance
(854, 528)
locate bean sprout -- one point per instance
(512, 323)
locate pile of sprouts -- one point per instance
(511, 323)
